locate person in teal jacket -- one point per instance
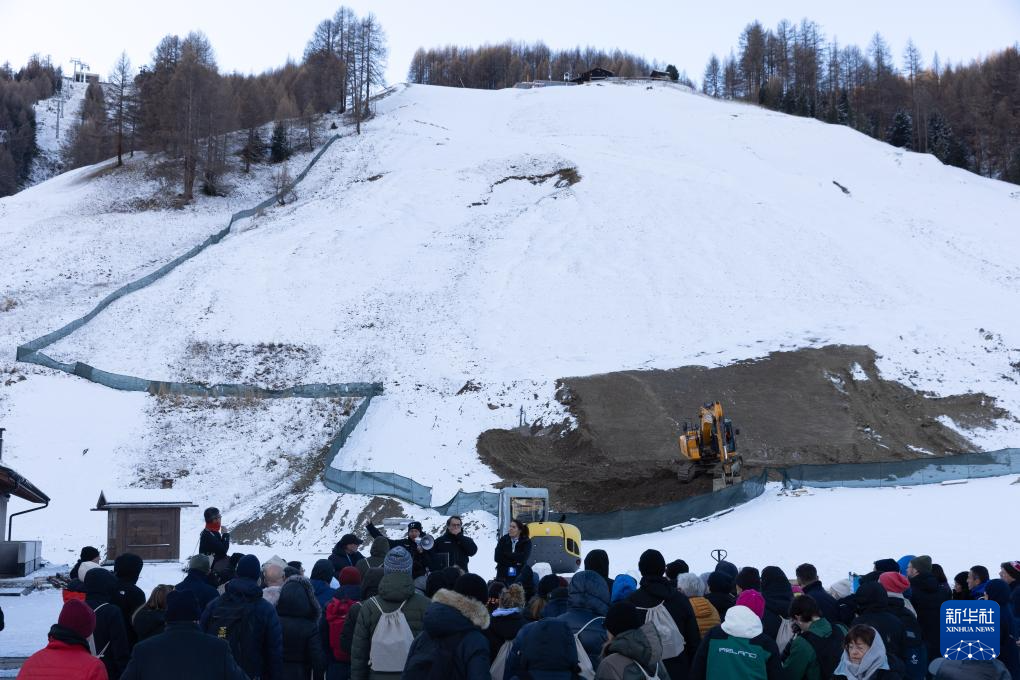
(737, 650)
(815, 652)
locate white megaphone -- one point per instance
(425, 541)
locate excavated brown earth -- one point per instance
(791, 407)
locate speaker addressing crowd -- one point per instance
(412, 609)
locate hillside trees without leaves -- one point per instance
(19, 91)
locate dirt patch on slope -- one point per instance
(808, 406)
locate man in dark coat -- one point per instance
(197, 581)
(543, 649)
(873, 609)
(452, 644)
(927, 598)
(807, 577)
(345, 553)
(412, 544)
(128, 596)
(182, 650)
(248, 622)
(588, 602)
(213, 541)
(778, 594)
(598, 561)
(457, 547)
(110, 637)
(719, 594)
(299, 612)
(655, 589)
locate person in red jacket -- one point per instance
(67, 656)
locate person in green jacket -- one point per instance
(396, 591)
(815, 652)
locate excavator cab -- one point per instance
(710, 446)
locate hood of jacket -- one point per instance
(396, 587)
(640, 644)
(451, 613)
(548, 645)
(597, 561)
(874, 659)
(244, 587)
(100, 585)
(871, 597)
(924, 583)
(999, 591)
(777, 591)
(380, 546)
(505, 624)
(703, 609)
(623, 586)
(128, 567)
(742, 622)
(323, 571)
(589, 590)
(297, 599)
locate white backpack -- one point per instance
(498, 667)
(391, 640)
(671, 637)
(583, 660)
(92, 639)
(785, 634)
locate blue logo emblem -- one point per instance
(970, 630)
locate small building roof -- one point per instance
(14, 484)
(112, 499)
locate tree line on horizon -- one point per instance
(967, 115)
(19, 91)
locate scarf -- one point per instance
(66, 635)
(214, 526)
(873, 661)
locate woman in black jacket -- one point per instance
(150, 619)
(299, 619)
(512, 552)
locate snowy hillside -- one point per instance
(511, 238)
(53, 119)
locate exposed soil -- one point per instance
(805, 406)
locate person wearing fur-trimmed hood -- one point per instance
(452, 644)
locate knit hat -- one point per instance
(248, 567)
(623, 616)
(88, 553)
(727, 568)
(753, 600)
(894, 582)
(414, 525)
(182, 605)
(547, 585)
(749, 579)
(77, 617)
(652, 563)
(398, 561)
(199, 563)
(889, 564)
(841, 589)
(922, 563)
(350, 576)
(719, 582)
(1013, 569)
(473, 586)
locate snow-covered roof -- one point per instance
(142, 498)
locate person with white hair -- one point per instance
(273, 577)
(694, 588)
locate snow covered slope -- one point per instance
(510, 238)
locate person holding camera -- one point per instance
(512, 552)
(421, 555)
(453, 548)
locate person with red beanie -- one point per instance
(67, 656)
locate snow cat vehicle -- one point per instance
(557, 543)
(710, 447)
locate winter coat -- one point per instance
(559, 600)
(998, 591)
(341, 559)
(376, 557)
(183, 651)
(543, 650)
(339, 667)
(656, 590)
(321, 576)
(261, 652)
(874, 610)
(622, 587)
(196, 582)
(507, 556)
(630, 649)
(778, 594)
(722, 602)
(394, 590)
(504, 625)
(65, 657)
(738, 649)
(452, 640)
(826, 603)
(299, 622)
(323, 593)
(927, 598)
(970, 669)
(128, 597)
(708, 618)
(111, 634)
(148, 622)
(369, 588)
(915, 651)
(214, 543)
(588, 604)
(802, 662)
(459, 547)
(598, 561)
(1014, 607)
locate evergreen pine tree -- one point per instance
(844, 114)
(674, 75)
(279, 146)
(901, 132)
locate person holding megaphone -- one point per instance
(419, 544)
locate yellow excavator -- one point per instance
(710, 447)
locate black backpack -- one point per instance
(231, 620)
(828, 650)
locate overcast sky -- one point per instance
(253, 35)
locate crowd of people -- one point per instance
(413, 609)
